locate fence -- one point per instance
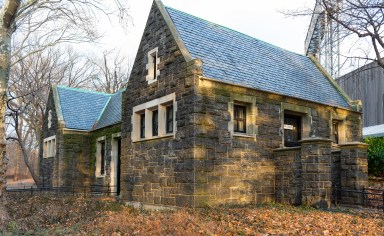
(93, 190)
(367, 197)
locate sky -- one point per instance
(260, 19)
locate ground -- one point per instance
(76, 215)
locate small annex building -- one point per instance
(212, 116)
(80, 124)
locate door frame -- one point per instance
(114, 163)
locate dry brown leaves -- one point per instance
(49, 215)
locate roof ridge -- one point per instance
(235, 31)
(83, 90)
(102, 112)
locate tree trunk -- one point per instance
(7, 18)
(5, 41)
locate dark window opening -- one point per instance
(142, 126)
(239, 119)
(154, 65)
(155, 123)
(169, 119)
(102, 158)
(335, 132)
(292, 130)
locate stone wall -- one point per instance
(289, 180)
(73, 159)
(160, 171)
(106, 132)
(205, 162)
(48, 166)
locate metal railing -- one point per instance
(366, 197)
(93, 190)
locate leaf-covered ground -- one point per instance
(50, 215)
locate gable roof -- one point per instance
(232, 57)
(81, 109)
(112, 112)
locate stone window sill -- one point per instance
(154, 138)
(243, 135)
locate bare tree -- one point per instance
(111, 72)
(29, 84)
(34, 26)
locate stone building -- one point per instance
(81, 139)
(212, 116)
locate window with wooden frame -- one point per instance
(292, 130)
(169, 119)
(142, 125)
(155, 123)
(335, 132)
(239, 118)
(102, 158)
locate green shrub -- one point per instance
(375, 156)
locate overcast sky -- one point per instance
(259, 19)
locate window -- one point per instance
(154, 56)
(153, 66)
(154, 119)
(169, 119)
(102, 158)
(49, 149)
(292, 130)
(239, 119)
(335, 132)
(155, 123)
(142, 125)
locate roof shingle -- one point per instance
(233, 57)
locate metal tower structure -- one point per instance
(323, 39)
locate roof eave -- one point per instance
(280, 94)
(56, 100)
(355, 105)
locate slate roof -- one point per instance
(112, 112)
(81, 109)
(236, 58)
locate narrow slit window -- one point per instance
(102, 158)
(155, 123)
(142, 126)
(169, 119)
(239, 119)
(154, 65)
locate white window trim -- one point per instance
(99, 142)
(159, 104)
(49, 148)
(341, 119)
(149, 66)
(251, 113)
(114, 161)
(306, 119)
(49, 119)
